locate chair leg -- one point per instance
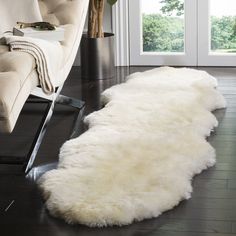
(69, 101)
(60, 99)
(38, 138)
(27, 162)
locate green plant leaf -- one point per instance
(111, 2)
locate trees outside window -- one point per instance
(164, 31)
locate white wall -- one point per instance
(107, 28)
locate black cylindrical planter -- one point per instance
(97, 57)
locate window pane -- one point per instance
(223, 26)
(163, 25)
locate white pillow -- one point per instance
(12, 11)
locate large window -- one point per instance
(183, 32)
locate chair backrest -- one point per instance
(62, 12)
(71, 14)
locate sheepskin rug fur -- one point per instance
(141, 151)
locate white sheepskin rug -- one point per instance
(141, 151)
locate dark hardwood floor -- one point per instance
(210, 211)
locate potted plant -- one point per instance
(97, 47)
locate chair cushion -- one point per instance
(15, 76)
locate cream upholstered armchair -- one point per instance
(18, 76)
